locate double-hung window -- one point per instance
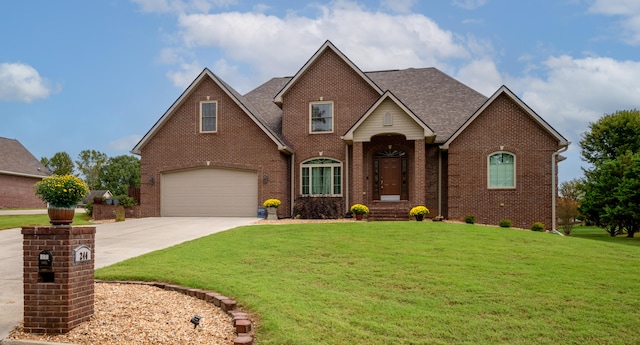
(502, 170)
(208, 116)
(321, 117)
(321, 176)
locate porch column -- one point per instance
(359, 186)
(419, 171)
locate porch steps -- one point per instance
(389, 210)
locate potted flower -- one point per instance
(419, 212)
(359, 210)
(272, 208)
(62, 193)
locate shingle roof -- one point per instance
(15, 159)
(266, 108)
(440, 101)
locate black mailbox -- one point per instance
(45, 259)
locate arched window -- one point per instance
(502, 170)
(321, 176)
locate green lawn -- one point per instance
(410, 283)
(18, 221)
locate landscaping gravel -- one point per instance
(143, 314)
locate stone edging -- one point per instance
(240, 320)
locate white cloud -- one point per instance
(124, 144)
(22, 83)
(398, 6)
(628, 9)
(275, 46)
(469, 4)
(186, 74)
(181, 6)
(481, 75)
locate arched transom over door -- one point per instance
(390, 180)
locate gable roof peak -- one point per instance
(327, 45)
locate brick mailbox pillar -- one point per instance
(58, 277)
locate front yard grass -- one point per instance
(18, 221)
(410, 283)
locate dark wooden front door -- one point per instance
(390, 178)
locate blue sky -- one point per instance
(77, 74)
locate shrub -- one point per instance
(307, 207)
(419, 211)
(120, 213)
(505, 223)
(537, 226)
(88, 207)
(125, 200)
(470, 219)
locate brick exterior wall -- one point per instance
(503, 126)
(334, 80)
(60, 305)
(238, 144)
(17, 192)
(241, 144)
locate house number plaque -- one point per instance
(81, 254)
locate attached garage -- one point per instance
(209, 192)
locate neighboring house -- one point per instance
(19, 172)
(95, 194)
(388, 139)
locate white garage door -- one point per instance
(209, 192)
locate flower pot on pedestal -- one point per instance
(61, 215)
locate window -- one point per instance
(208, 116)
(321, 117)
(502, 170)
(321, 176)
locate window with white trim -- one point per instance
(321, 117)
(321, 176)
(502, 170)
(208, 116)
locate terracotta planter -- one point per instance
(358, 216)
(61, 215)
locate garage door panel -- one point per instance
(209, 192)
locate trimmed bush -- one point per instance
(125, 200)
(537, 226)
(505, 223)
(470, 219)
(307, 207)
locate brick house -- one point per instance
(388, 139)
(19, 172)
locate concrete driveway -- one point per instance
(115, 242)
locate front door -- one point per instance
(390, 176)
(390, 179)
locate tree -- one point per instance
(118, 173)
(59, 164)
(612, 195)
(570, 193)
(89, 164)
(611, 136)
